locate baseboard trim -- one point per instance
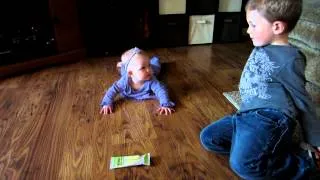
(68, 57)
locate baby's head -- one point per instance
(137, 64)
(269, 18)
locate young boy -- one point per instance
(258, 137)
(137, 82)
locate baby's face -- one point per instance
(140, 68)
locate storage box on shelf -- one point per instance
(184, 22)
(201, 29)
(202, 20)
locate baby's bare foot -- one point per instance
(119, 64)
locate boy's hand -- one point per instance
(106, 109)
(165, 110)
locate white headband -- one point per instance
(135, 51)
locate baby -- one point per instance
(138, 82)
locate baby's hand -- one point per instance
(106, 109)
(165, 110)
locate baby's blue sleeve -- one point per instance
(161, 93)
(112, 93)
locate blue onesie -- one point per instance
(151, 89)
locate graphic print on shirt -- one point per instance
(256, 73)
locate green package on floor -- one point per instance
(126, 161)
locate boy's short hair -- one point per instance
(287, 11)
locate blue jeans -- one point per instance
(259, 144)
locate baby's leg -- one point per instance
(119, 64)
(217, 136)
(155, 65)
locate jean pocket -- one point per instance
(269, 117)
(276, 125)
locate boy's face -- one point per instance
(260, 29)
(141, 69)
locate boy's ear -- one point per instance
(278, 27)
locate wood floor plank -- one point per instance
(47, 153)
(25, 125)
(50, 126)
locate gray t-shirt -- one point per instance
(273, 77)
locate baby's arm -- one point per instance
(166, 105)
(107, 101)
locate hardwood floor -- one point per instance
(50, 126)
